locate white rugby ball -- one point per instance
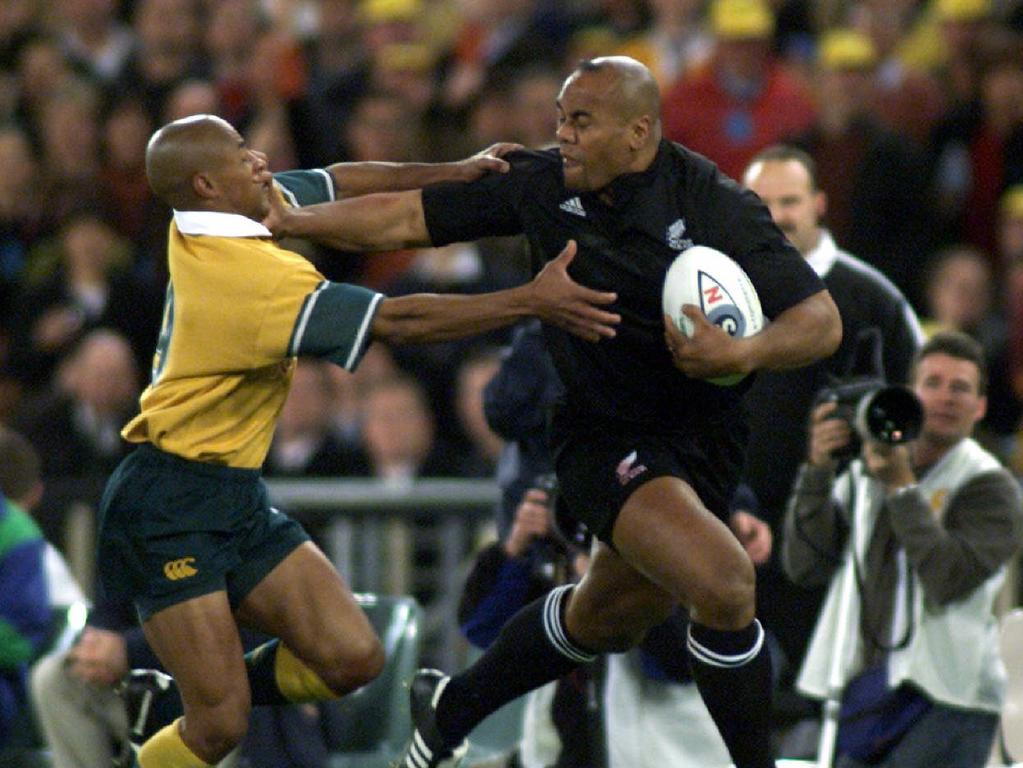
(712, 281)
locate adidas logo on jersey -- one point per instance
(574, 206)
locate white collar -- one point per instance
(218, 224)
(822, 258)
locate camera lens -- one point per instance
(890, 415)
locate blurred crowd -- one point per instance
(911, 109)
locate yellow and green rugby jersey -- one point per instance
(238, 310)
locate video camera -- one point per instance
(885, 413)
(874, 409)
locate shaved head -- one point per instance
(631, 86)
(609, 121)
(182, 149)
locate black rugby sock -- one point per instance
(732, 671)
(533, 648)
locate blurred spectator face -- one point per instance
(274, 140)
(88, 243)
(71, 132)
(488, 120)
(389, 22)
(338, 20)
(380, 128)
(959, 292)
(472, 378)
(102, 374)
(845, 93)
(376, 365)
(533, 108)
(168, 33)
(87, 14)
(786, 189)
(1002, 94)
(19, 167)
(306, 410)
(231, 30)
(192, 97)
(743, 60)
(397, 426)
(405, 71)
(1010, 227)
(125, 135)
(41, 70)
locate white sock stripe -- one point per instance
(555, 631)
(438, 691)
(418, 754)
(715, 659)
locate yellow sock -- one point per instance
(166, 749)
(296, 682)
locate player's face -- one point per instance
(592, 136)
(948, 389)
(784, 187)
(245, 180)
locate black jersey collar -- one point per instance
(623, 189)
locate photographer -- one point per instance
(927, 529)
(532, 559)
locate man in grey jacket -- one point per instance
(924, 530)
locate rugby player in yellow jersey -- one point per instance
(186, 526)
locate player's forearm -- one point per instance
(354, 179)
(800, 335)
(425, 317)
(382, 222)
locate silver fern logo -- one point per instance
(676, 241)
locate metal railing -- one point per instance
(373, 530)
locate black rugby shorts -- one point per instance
(599, 469)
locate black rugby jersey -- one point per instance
(679, 201)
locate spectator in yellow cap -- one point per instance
(743, 101)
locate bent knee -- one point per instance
(616, 624)
(354, 663)
(215, 732)
(728, 601)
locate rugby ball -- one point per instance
(712, 281)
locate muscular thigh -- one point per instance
(598, 472)
(197, 641)
(306, 603)
(666, 533)
(614, 605)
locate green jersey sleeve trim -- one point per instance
(334, 323)
(308, 187)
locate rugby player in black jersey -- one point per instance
(647, 451)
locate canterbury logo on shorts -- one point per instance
(179, 569)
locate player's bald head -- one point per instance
(182, 149)
(631, 86)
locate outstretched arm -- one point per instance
(805, 332)
(552, 296)
(354, 179)
(381, 222)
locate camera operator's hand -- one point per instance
(532, 520)
(754, 534)
(827, 435)
(889, 463)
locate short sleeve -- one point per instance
(308, 187)
(459, 212)
(741, 226)
(334, 323)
